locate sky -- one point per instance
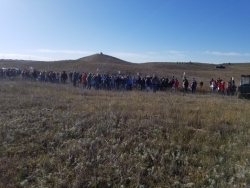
(138, 31)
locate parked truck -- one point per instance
(244, 87)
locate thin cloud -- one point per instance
(126, 55)
(152, 53)
(177, 53)
(24, 56)
(222, 53)
(62, 51)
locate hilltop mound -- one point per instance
(102, 58)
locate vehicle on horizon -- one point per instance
(220, 67)
(244, 87)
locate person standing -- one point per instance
(176, 84)
(70, 76)
(64, 77)
(84, 80)
(147, 83)
(89, 78)
(75, 78)
(155, 83)
(193, 85)
(185, 85)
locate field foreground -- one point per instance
(66, 137)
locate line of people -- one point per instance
(107, 82)
(121, 82)
(142, 83)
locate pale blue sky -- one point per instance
(209, 31)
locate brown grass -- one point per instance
(60, 136)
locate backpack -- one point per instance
(194, 84)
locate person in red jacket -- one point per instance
(176, 84)
(222, 87)
(84, 80)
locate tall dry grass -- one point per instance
(60, 136)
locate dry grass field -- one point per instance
(55, 135)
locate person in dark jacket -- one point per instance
(185, 85)
(75, 77)
(64, 77)
(89, 78)
(128, 83)
(71, 76)
(155, 83)
(193, 85)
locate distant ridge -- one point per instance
(102, 58)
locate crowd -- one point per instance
(222, 87)
(122, 82)
(107, 82)
(9, 73)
